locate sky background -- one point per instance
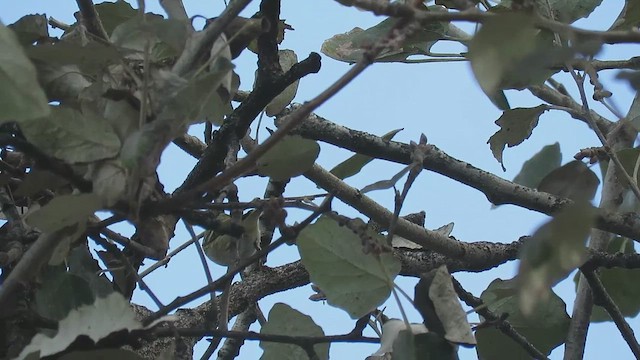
(441, 100)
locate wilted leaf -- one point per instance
(387, 184)
(390, 331)
(73, 136)
(288, 58)
(284, 320)
(95, 321)
(516, 125)
(351, 280)
(63, 211)
(290, 157)
(448, 309)
(31, 28)
(573, 180)
(354, 164)
(618, 282)
(552, 252)
(60, 292)
(545, 329)
(350, 46)
(426, 346)
(21, 97)
(629, 16)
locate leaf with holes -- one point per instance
(352, 280)
(516, 125)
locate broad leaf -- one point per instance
(426, 346)
(552, 252)
(546, 328)
(95, 321)
(284, 320)
(634, 112)
(290, 157)
(60, 292)
(91, 58)
(38, 180)
(135, 34)
(113, 14)
(354, 164)
(391, 329)
(73, 136)
(541, 164)
(288, 58)
(82, 264)
(350, 46)
(516, 125)
(573, 180)
(352, 280)
(566, 11)
(63, 211)
(629, 16)
(618, 282)
(21, 97)
(31, 28)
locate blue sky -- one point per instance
(440, 100)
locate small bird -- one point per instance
(225, 249)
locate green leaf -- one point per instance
(546, 328)
(355, 163)
(195, 100)
(634, 112)
(567, 11)
(573, 180)
(94, 321)
(135, 33)
(38, 180)
(352, 280)
(552, 252)
(73, 136)
(541, 164)
(629, 16)
(91, 58)
(31, 28)
(288, 58)
(618, 282)
(63, 211)
(21, 97)
(113, 14)
(83, 265)
(284, 320)
(516, 125)
(350, 46)
(60, 292)
(427, 346)
(290, 157)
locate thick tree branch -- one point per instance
(498, 191)
(91, 19)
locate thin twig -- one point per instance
(602, 298)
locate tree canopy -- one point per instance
(89, 109)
